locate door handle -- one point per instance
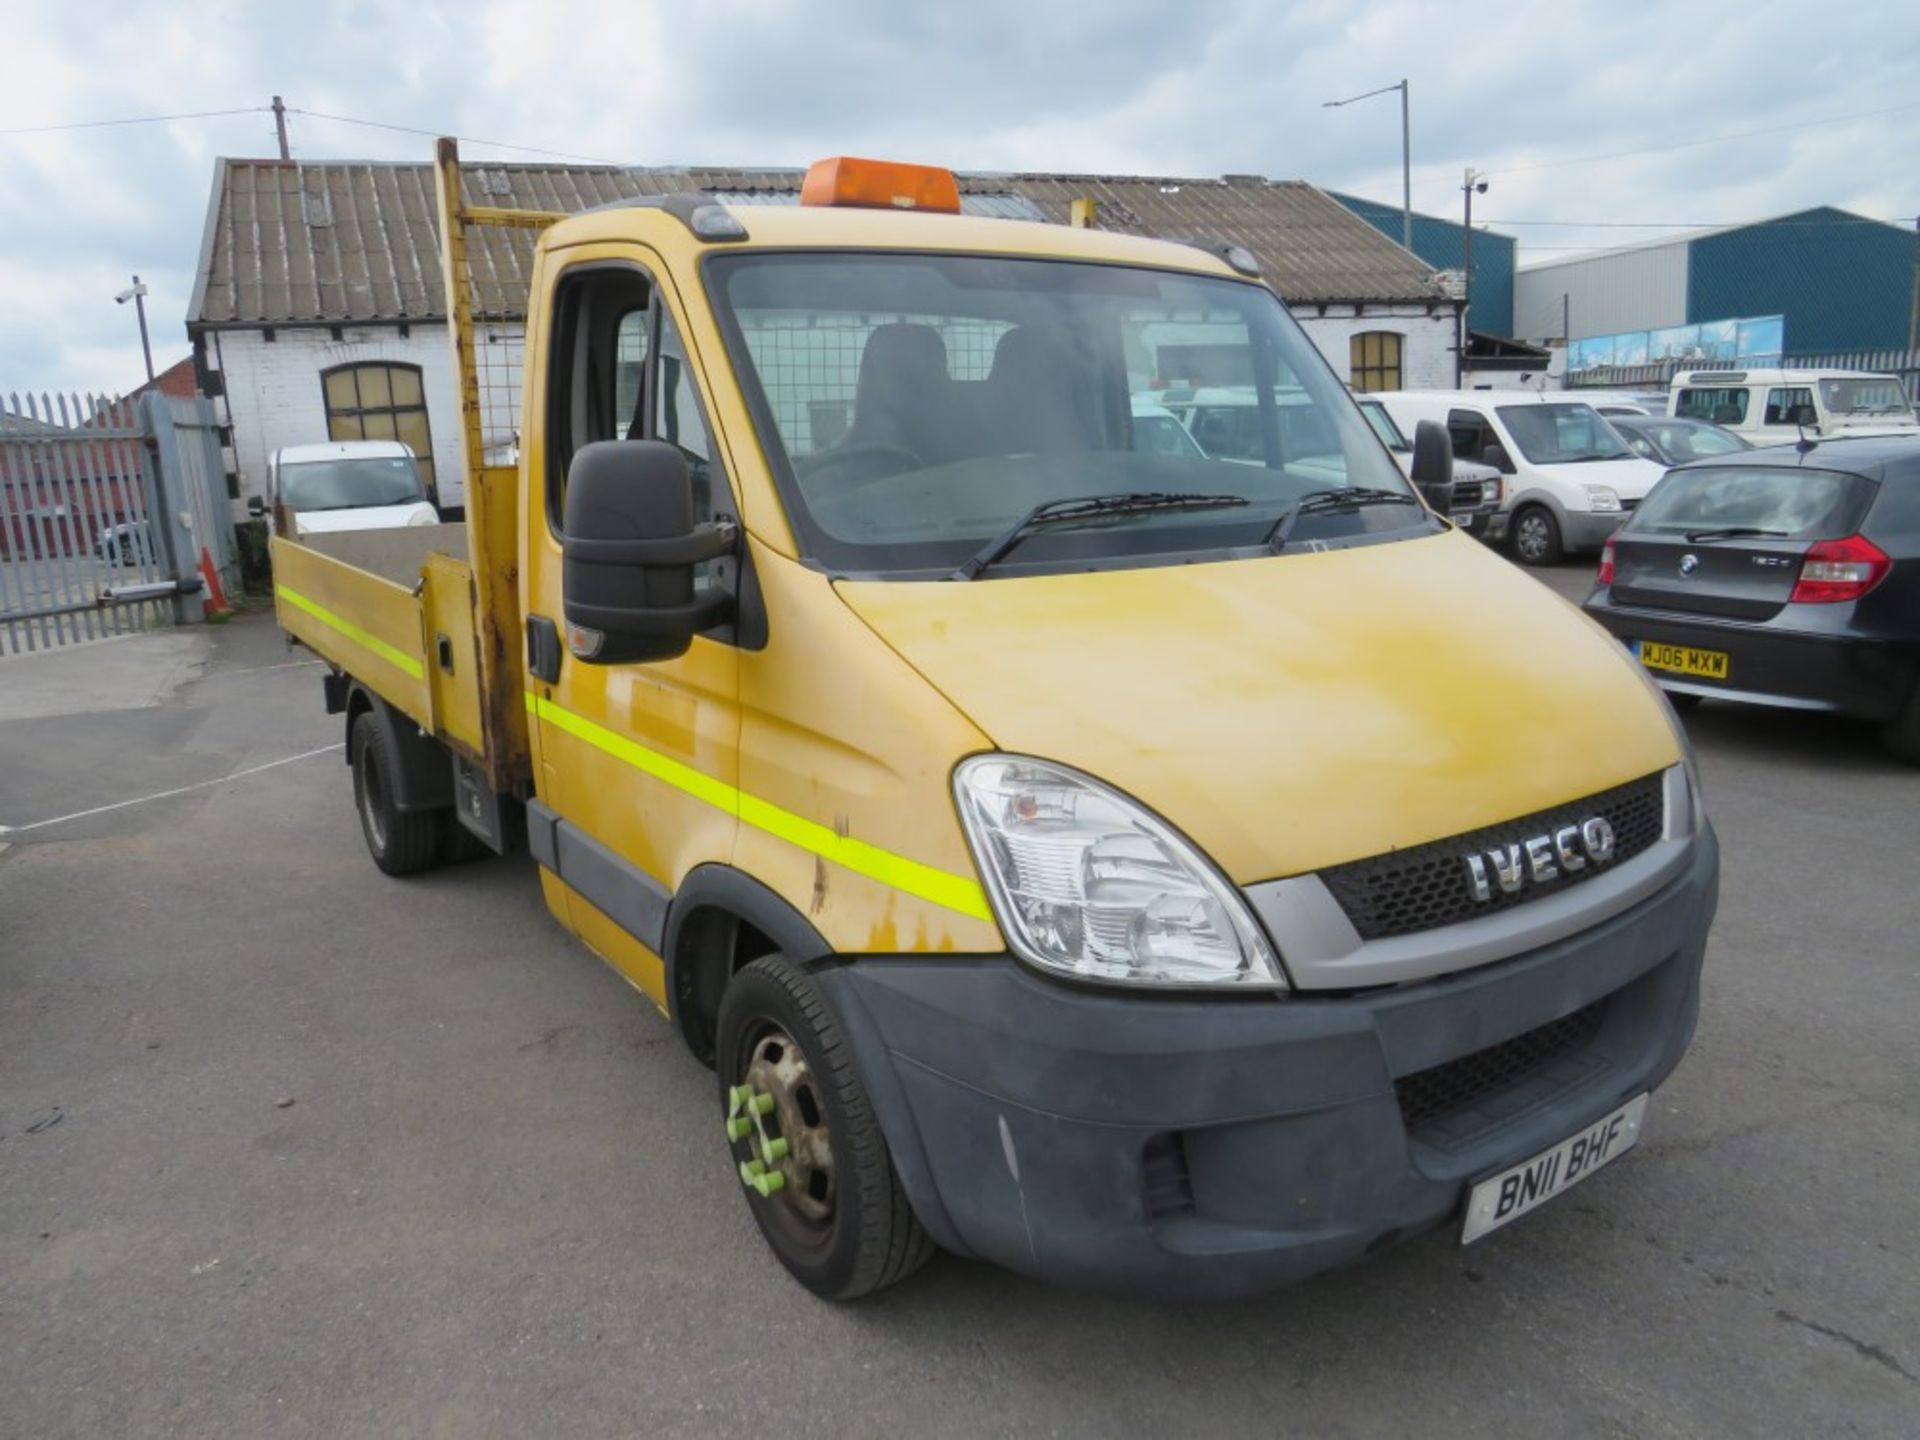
(543, 649)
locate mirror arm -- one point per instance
(704, 542)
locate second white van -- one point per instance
(1571, 479)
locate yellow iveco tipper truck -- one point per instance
(1129, 865)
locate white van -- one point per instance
(347, 485)
(1761, 405)
(1572, 480)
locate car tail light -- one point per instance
(1605, 577)
(1840, 570)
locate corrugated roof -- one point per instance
(348, 242)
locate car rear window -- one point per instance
(1801, 504)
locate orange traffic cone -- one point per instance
(216, 602)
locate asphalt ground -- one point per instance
(289, 1148)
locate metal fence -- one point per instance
(105, 509)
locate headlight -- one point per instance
(1603, 497)
(1087, 883)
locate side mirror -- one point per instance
(1433, 465)
(1805, 415)
(629, 552)
(1495, 454)
(256, 506)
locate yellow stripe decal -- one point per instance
(397, 658)
(954, 892)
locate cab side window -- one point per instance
(619, 372)
(1470, 434)
(1781, 403)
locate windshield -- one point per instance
(1562, 434)
(350, 484)
(916, 405)
(1678, 441)
(1799, 504)
(1383, 426)
(1879, 396)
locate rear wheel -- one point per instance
(402, 842)
(1901, 735)
(1536, 536)
(804, 1139)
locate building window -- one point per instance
(1376, 360)
(380, 402)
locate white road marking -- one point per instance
(260, 669)
(169, 794)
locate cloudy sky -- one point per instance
(1532, 93)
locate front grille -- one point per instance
(1466, 494)
(1428, 1096)
(1426, 886)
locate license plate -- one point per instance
(1684, 660)
(1530, 1184)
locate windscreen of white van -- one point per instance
(350, 484)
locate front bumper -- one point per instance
(1584, 530)
(1201, 1148)
(1768, 664)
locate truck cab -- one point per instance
(1107, 860)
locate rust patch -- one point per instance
(819, 885)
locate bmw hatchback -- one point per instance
(1787, 576)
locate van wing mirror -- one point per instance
(1433, 465)
(629, 551)
(1804, 415)
(1495, 454)
(256, 506)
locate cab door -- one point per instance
(638, 762)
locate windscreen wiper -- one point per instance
(1736, 532)
(1086, 507)
(1321, 501)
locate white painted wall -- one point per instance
(274, 396)
(1426, 350)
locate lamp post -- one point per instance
(1474, 184)
(1406, 153)
(138, 294)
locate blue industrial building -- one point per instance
(1442, 245)
(1844, 284)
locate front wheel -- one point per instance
(1536, 536)
(805, 1141)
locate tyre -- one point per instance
(1536, 536)
(402, 842)
(805, 1141)
(1901, 735)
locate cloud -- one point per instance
(1126, 86)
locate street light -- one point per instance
(1406, 154)
(1474, 184)
(137, 293)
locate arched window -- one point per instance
(380, 401)
(1375, 356)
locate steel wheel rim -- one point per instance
(804, 1207)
